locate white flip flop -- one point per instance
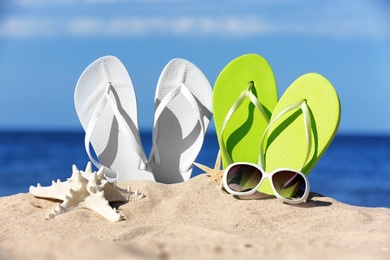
(107, 108)
(183, 109)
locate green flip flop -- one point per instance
(244, 97)
(302, 126)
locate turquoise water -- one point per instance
(354, 170)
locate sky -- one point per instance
(46, 44)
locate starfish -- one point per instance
(88, 190)
(214, 174)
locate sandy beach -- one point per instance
(194, 220)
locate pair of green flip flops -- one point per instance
(253, 126)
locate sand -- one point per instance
(195, 220)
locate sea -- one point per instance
(355, 169)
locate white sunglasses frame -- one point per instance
(266, 175)
(302, 105)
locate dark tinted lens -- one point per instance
(243, 177)
(287, 183)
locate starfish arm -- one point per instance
(136, 195)
(203, 167)
(58, 190)
(58, 210)
(96, 202)
(114, 193)
(71, 201)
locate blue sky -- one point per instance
(46, 44)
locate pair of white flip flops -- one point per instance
(107, 108)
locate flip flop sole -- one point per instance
(109, 143)
(243, 131)
(286, 142)
(178, 133)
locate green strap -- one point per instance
(245, 94)
(307, 123)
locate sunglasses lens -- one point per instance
(243, 177)
(287, 183)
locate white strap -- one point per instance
(181, 89)
(123, 126)
(245, 94)
(307, 124)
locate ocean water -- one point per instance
(354, 169)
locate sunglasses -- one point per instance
(245, 179)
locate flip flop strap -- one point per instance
(181, 89)
(253, 99)
(307, 124)
(124, 128)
